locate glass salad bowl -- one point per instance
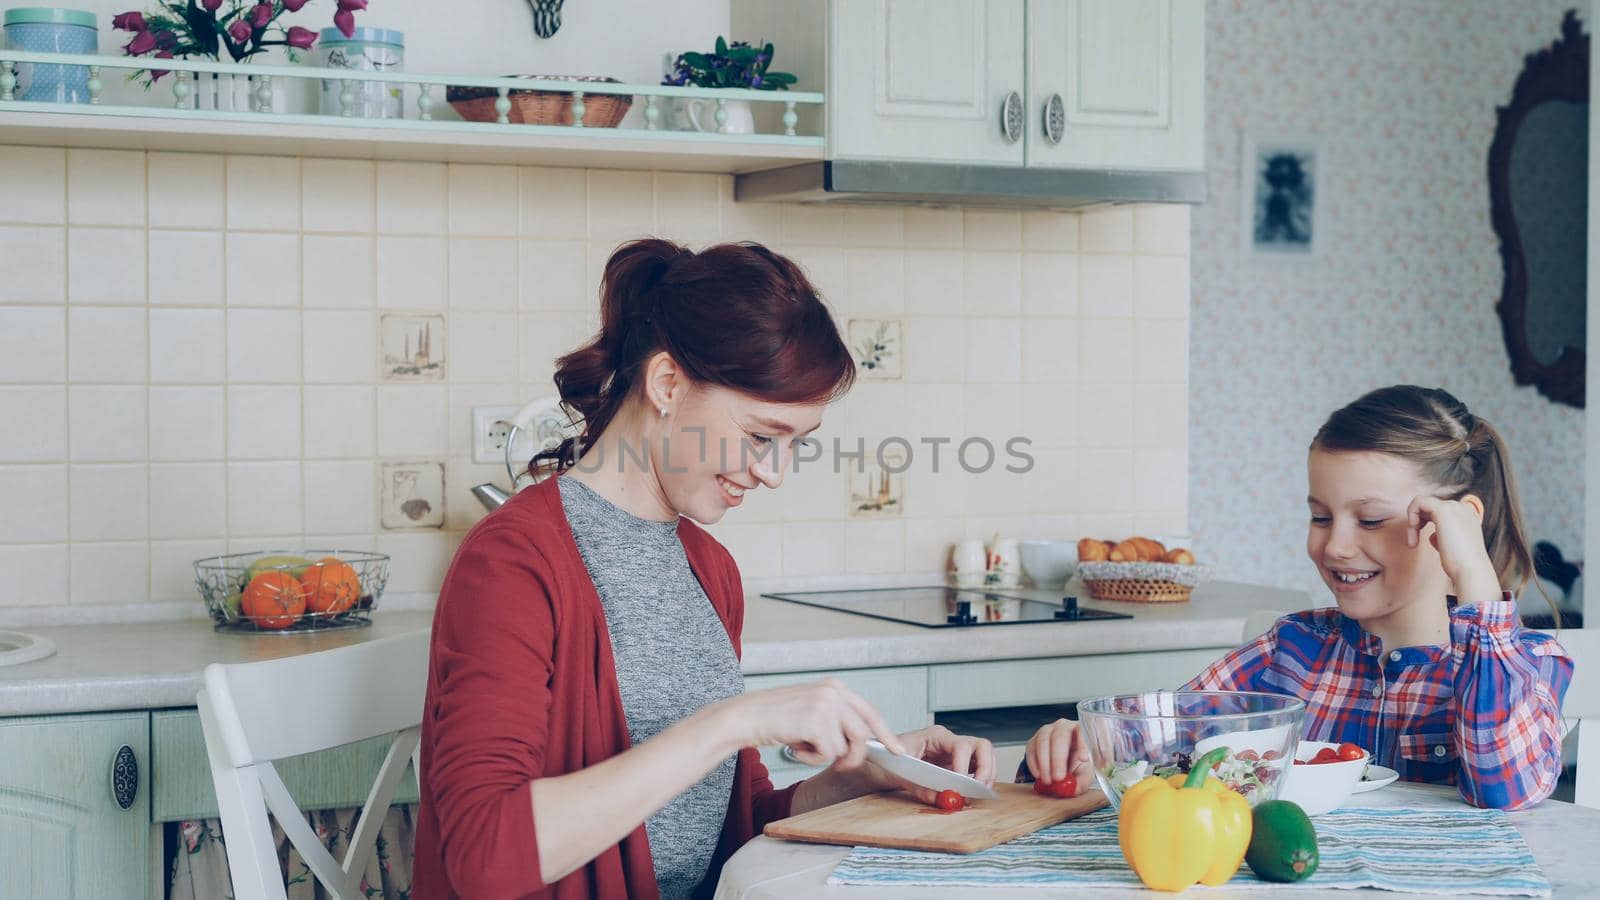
(1132, 736)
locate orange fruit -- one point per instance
(273, 600)
(331, 586)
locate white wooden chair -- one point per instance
(1581, 709)
(254, 713)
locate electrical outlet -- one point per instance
(490, 431)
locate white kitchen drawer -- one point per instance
(1035, 682)
(901, 694)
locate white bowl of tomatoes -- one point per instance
(1324, 775)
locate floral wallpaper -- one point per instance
(1399, 99)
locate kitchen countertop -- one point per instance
(145, 665)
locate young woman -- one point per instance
(586, 733)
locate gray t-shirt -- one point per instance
(673, 657)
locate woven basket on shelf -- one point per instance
(529, 107)
(1141, 582)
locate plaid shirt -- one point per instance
(1483, 714)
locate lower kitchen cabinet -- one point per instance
(64, 829)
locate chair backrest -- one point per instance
(1258, 623)
(1581, 708)
(254, 713)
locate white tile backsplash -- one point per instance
(483, 273)
(187, 190)
(263, 421)
(412, 198)
(337, 195)
(186, 423)
(35, 420)
(109, 573)
(215, 382)
(106, 423)
(34, 182)
(264, 499)
(106, 344)
(482, 200)
(107, 187)
(35, 574)
(263, 345)
(263, 193)
(188, 500)
(336, 272)
(109, 502)
(263, 269)
(106, 266)
(187, 346)
(339, 345)
(186, 267)
(34, 259)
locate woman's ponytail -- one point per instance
(1503, 532)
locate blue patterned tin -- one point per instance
(45, 30)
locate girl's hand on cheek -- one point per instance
(1458, 536)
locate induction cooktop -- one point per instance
(947, 607)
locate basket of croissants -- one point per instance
(1138, 570)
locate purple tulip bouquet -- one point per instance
(208, 28)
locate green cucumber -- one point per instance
(1283, 843)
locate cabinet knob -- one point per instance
(124, 776)
(1055, 119)
(1011, 118)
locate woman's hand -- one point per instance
(939, 745)
(1056, 751)
(823, 722)
(1458, 536)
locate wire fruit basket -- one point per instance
(291, 591)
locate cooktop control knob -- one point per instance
(963, 614)
(1069, 608)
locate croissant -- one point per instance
(1149, 550)
(1180, 556)
(1092, 550)
(1126, 551)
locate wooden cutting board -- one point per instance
(897, 820)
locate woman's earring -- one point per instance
(663, 412)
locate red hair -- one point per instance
(735, 315)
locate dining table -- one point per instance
(1564, 839)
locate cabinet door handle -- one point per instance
(1011, 117)
(1054, 116)
(125, 776)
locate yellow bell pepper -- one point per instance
(1174, 835)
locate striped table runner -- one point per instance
(1439, 851)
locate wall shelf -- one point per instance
(167, 128)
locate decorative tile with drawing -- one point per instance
(413, 495)
(878, 485)
(412, 347)
(876, 345)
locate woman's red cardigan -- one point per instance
(522, 685)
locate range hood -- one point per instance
(958, 184)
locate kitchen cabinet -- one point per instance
(63, 830)
(1091, 84)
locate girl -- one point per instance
(1415, 529)
(585, 732)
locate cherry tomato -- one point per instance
(1066, 787)
(1270, 755)
(1351, 751)
(1326, 754)
(949, 801)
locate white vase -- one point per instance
(702, 116)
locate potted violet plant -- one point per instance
(735, 65)
(208, 29)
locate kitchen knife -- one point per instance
(926, 774)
